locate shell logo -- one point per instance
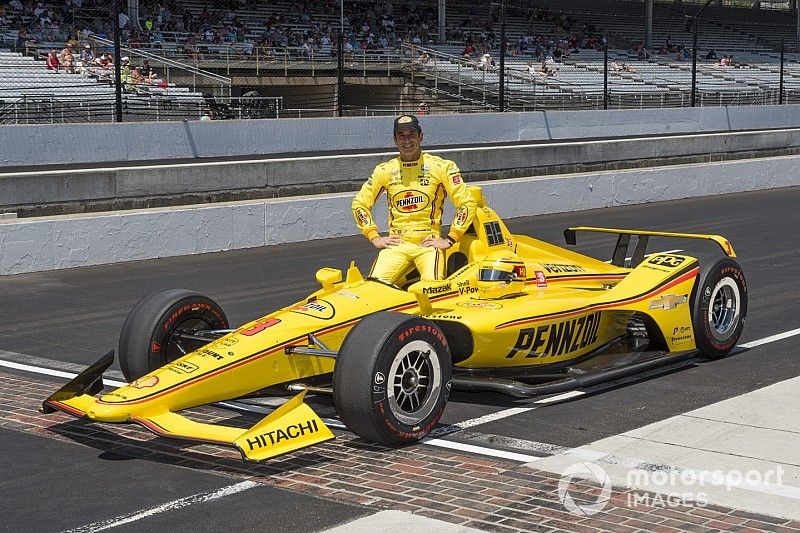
(144, 383)
(410, 201)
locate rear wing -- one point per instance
(621, 248)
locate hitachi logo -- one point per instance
(293, 431)
(411, 200)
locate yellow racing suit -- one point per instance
(415, 191)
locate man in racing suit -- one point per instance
(416, 185)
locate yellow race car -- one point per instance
(515, 315)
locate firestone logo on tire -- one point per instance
(380, 378)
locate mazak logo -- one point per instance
(410, 201)
(669, 301)
(437, 290)
(591, 472)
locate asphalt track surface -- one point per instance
(75, 316)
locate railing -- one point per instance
(214, 79)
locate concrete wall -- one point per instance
(47, 243)
(69, 190)
(97, 143)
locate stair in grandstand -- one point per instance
(29, 93)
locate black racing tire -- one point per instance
(147, 340)
(719, 306)
(392, 378)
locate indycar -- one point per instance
(514, 315)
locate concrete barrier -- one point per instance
(47, 243)
(69, 190)
(64, 144)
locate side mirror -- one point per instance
(328, 277)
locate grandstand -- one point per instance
(282, 55)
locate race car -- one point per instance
(514, 315)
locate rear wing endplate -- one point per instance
(621, 249)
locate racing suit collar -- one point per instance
(407, 164)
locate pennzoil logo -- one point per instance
(669, 261)
(669, 301)
(143, 383)
(276, 436)
(317, 309)
(362, 217)
(461, 215)
(556, 339)
(410, 201)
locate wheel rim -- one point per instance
(414, 382)
(723, 310)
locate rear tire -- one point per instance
(719, 306)
(147, 341)
(392, 378)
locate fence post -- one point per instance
(780, 87)
(605, 73)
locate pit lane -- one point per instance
(75, 315)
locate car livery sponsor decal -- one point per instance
(205, 352)
(317, 309)
(480, 305)
(410, 201)
(143, 383)
(292, 431)
(466, 287)
(556, 339)
(669, 261)
(681, 334)
(541, 279)
(558, 268)
(437, 290)
(669, 301)
(183, 367)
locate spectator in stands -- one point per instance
(615, 66)
(486, 62)
(52, 61)
(724, 61)
(422, 109)
(67, 59)
(87, 56)
(147, 71)
(711, 55)
(424, 60)
(532, 72)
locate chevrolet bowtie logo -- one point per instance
(668, 301)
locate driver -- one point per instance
(416, 184)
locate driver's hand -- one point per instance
(436, 242)
(386, 242)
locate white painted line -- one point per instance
(56, 373)
(170, 506)
(561, 397)
(480, 450)
(772, 338)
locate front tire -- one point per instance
(392, 378)
(148, 341)
(719, 306)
